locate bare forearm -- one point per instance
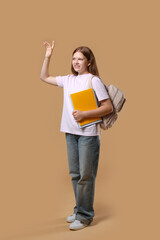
(105, 108)
(45, 68)
(99, 112)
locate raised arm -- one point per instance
(45, 67)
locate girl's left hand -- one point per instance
(78, 115)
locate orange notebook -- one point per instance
(85, 101)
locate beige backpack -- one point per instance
(117, 98)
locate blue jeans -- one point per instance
(83, 157)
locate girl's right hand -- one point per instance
(49, 48)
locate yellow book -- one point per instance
(85, 101)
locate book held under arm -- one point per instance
(85, 101)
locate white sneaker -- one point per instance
(76, 225)
(71, 218)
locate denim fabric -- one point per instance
(83, 157)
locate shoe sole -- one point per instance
(74, 229)
(70, 221)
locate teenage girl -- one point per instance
(83, 144)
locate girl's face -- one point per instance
(80, 63)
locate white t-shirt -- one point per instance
(72, 84)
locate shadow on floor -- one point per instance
(59, 225)
(52, 227)
(102, 213)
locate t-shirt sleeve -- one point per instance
(99, 88)
(60, 80)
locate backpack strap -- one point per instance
(90, 81)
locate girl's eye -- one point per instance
(78, 59)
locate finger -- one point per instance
(53, 44)
(46, 44)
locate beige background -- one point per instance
(36, 193)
